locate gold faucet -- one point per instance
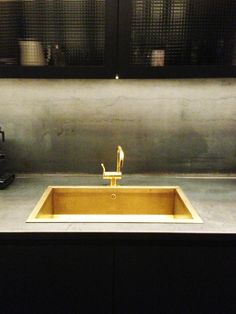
(113, 176)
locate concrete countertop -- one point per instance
(214, 198)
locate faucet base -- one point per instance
(113, 182)
(113, 177)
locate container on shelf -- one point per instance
(31, 53)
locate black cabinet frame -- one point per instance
(106, 71)
(116, 61)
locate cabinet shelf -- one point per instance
(18, 71)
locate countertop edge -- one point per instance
(114, 236)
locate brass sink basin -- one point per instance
(114, 204)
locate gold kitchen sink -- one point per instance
(114, 204)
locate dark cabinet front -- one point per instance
(55, 277)
(58, 38)
(176, 278)
(124, 38)
(177, 38)
(78, 274)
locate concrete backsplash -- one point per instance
(162, 125)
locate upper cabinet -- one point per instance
(177, 38)
(125, 38)
(58, 38)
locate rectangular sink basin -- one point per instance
(114, 204)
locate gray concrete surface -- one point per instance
(163, 125)
(213, 198)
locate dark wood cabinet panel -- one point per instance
(56, 277)
(83, 274)
(176, 279)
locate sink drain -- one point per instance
(113, 196)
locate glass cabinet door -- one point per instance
(174, 38)
(66, 38)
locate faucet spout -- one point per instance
(120, 158)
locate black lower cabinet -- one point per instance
(102, 276)
(55, 278)
(176, 279)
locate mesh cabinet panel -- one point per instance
(9, 22)
(183, 32)
(53, 32)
